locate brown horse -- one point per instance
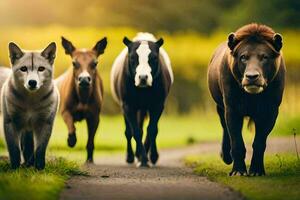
(81, 91)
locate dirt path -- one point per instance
(111, 178)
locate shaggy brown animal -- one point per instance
(246, 77)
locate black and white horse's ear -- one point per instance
(49, 52)
(15, 53)
(232, 41)
(127, 42)
(277, 41)
(159, 42)
(100, 46)
(68, 46)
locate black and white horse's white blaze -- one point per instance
(141, 80)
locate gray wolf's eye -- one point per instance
(23, 69)
(40, 69)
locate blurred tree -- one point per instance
(151, 15)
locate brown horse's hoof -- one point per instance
(72, 140)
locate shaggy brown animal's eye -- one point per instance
(23, 69)
(265, 57)
(40, 69)
(243, 58)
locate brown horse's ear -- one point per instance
(159, 42)
(277, 41)
(100, 46)
(15, 53)
(49, 52)
(127, 42)
(68, 46)
(232, 41)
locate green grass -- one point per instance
(282, 180)
(28, 183)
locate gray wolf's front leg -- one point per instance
(12, 141)
(41, 138)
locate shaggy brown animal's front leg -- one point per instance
(234, 123)
(68, 118)
(264, 125)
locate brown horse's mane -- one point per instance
(68, 90)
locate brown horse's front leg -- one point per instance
(92, 123)
(68, 118)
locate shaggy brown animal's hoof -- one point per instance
(72, 140)
(239, 169)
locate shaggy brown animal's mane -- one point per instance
(256, 32)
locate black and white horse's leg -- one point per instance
(263, 126)
(226, 147)
(128, 134)
(152, 131)
(92, 124)
(131, 117)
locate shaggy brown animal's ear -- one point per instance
(232, 41)
(15, 52)
(49, 52)
(127, 42)
(100, 46)
(277, 41)
(68, 46)
(159, 42)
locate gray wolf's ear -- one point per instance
(68, 46)
(277, 41)
(49, 52)
(232, 41)
(15, 53)
(127, 42)
(159, 42)
(100, 46)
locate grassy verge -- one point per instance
(282, 180)
(27, 183)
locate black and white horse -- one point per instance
(141, 78)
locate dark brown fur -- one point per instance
(82, 102)
(246, 78)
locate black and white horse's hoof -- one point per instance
(72, 140)
(154, 158)
(143, 165)
(130, 159)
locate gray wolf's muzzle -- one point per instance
(32, 84)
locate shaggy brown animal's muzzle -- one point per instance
(253, 82)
